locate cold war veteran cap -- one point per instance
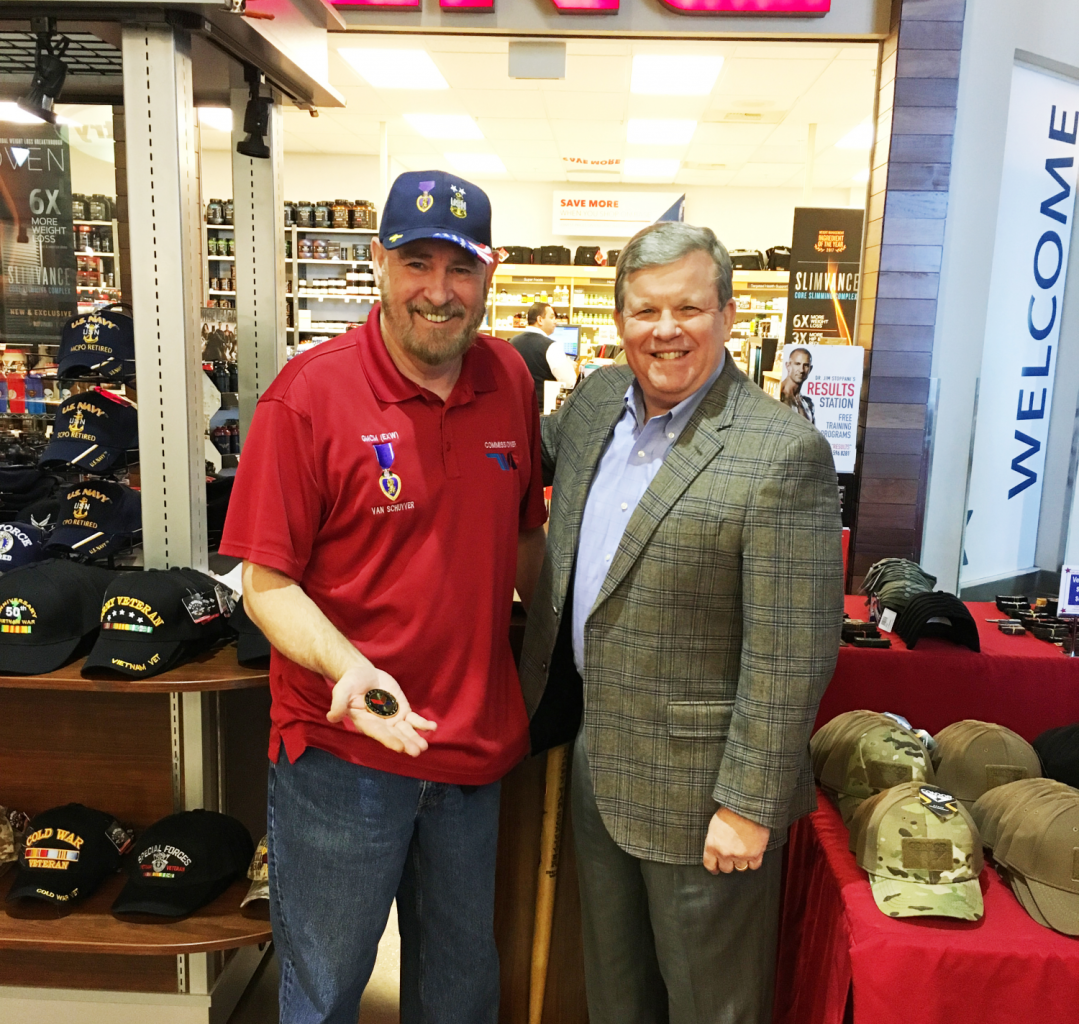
(923, 854)
(973, 757)
(154, 620)
(434, 204)
(257, 901)
(100, 343)
(69, 851)
(183, 862)
(96, 518)
(20, 544)
(46, 611)
(92, 431)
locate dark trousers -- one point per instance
(670, 943)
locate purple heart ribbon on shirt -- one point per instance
(384, 454)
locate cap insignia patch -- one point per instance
(943, 805)
(457, 202)
(17, 616)
(425, 200)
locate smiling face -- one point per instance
(799, 365)
(673, 329)
(433, 297)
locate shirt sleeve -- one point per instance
(275, 509)
(561, 365)
(533, 508)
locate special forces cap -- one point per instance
(257, 901)
(101, 343)
(20, 544)
(69, 851)
(877, 758)
(183, 862)
(95, 519)
(154, 620)
(47, 610)
(973, 757)
(434, 204)
(922, 852)
(92, 432)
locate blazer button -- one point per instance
(543, 666)
(554, 607)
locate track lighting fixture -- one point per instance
(49, 70)
(256, 118)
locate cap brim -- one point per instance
(1059, 906)
(259, 891)
(92, 458)
(1021, 891)
(962, 900)
(166, 901)
(252, 647)
(400, 238)
(33, 659)
(28, 885)
(110, 366)
(133, 658)
(81, 541)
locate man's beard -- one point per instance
(441, 346)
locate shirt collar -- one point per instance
(390, 385)
(674, 420)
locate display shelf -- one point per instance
(225, 259)
(321, 296)
(90, 928)
(95, 252)
(93, 223)
(213, 291)
(336, 231)
(351, 263)
(214, 670)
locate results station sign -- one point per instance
(754, 8)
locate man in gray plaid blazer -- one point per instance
(687, 619)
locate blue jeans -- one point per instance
(344, 840)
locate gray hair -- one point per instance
(668, 242)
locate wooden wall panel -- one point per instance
(113, 972)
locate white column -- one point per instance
(811, 156)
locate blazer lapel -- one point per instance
(698, 445)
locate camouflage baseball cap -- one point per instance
(873, 759)
(12, 836)
(820, 746)
(973, 757)
(923, 854)
(256, 902)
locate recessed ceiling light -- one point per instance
(477, 163)
(655, 75)
(858, 138)
(395, 69)
(861, 177)
(640, 167)
(651, 132)
(217, 118)
(444, 126)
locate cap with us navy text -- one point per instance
(93, 430)
(96, 518)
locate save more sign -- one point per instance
(755, 8)
(608, 213)
(1019, 357)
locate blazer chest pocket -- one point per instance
(698, 719)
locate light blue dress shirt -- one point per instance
(629, 464)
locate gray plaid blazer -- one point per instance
(716, 630)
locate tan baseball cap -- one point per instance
(12, 836)
(820, 746)
(257, 901)
(992, 805)
(973, 757)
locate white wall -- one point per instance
(744, 218)
(89, 175)
(993, 32)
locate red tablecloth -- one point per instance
(1004, 969)
(1017, 681)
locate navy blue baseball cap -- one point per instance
(20, 544)
(434, 204)
(92, 431)
(101, 342)
(95, 519)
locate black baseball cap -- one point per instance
(252, 647)
(47, 610)
(69, 852)
(92, 431)
(155, 620)
(434, 204)
(1058, 751)
(20, 544)
(938, 614)
(183, 862)
(42, 514)
(96, 518)
(101, 343)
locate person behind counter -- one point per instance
(390, 485)
(693, 580)
(546, 360)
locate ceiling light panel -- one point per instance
(656, 75)
(643, 167)
(395, 69)
(649, 132)
(477, 163)
(217, 118)
(444, 126)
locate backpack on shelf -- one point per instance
(589, 256)
(552, 256)
(779, 257)
(514, 254)
(612, 256)
(746, 259)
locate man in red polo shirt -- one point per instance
(388, 501)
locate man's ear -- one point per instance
(489, 274)
(378, 257)
(618, 321)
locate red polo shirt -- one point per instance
(409, 549)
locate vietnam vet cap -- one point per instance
(100, 344)
(1058, 750)
(923, 854)
(96, 518)
(92, 432)
(973, 757)
(938, 614)
(20, 544)
(47, 610)
(434, 204)
(154, 620)
(69, 851)
(252, 647)
(183, 862)
(256, 902)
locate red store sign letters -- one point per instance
(802, 8)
